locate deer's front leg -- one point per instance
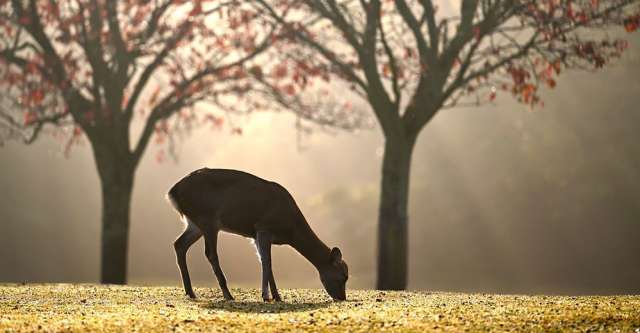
(274, 289)
(263, 244)
(211, 250)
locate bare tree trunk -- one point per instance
(116, 179)
(116, 202)
(393, 219)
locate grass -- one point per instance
(75, 308)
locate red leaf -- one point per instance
(551, 83)
(31, 68)
(569, 10)
(386, 70)
(24, 20)
(36, 96)
(528, 93)
(582, 17)
(630, 25)
(30, 117)
(289, 89)
(197, 9)
(125, 100)
(217, 121)
(280, 71)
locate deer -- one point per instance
(213, 200)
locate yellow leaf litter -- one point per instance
(98, 308)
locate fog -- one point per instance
(503, 198)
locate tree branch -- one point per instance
(170, 104)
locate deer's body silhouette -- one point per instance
(213, 200)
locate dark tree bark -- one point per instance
(116, 174)
(393, 218)
(116, 202)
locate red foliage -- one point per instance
(631, 23)
(492, 96)
(30, 117)
(280, 71)
(289, 89)
(67, 60)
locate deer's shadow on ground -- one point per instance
(263, 307)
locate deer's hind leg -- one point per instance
(190, 235)
(211, 250)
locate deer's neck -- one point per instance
(311, 247)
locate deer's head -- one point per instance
(334, 276)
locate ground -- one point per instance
(75, 308)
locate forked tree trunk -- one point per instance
(116, 180)
(393, 219)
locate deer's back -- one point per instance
(237, 202)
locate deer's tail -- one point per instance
(172, 197)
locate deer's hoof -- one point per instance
(191, 295)
(271, 300)
(228, 297)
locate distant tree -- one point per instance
(93, 68)
(409, 59)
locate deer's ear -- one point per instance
(335, 256)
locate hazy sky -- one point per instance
(503, 199)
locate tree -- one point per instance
(410, 59)
(91, 68)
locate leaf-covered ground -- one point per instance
(75, 308)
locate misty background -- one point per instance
(503, 198)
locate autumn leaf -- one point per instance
(386, 70)
(528, 93)
(631, 23)
(31, 67)
(280, 71)
(289, 89)
(30, 118)
(24, 20)
(551, 83)
(197, 9)
(36, 96)
(216, 121)
(492, 96)
(125, 100)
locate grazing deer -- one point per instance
(213, 200)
